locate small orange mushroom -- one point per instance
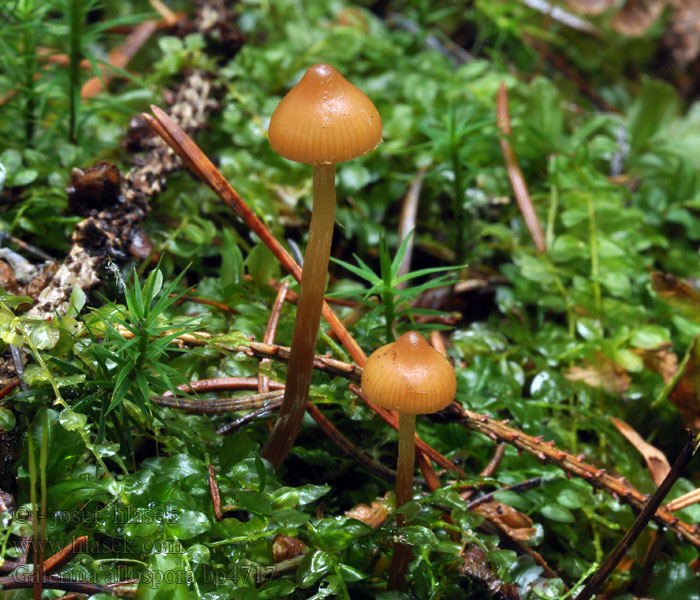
(324, 119)
(411, 377)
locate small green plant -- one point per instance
(137, 341)
(395, 299)
(44, 95)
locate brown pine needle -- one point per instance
(186, 149)
(515, 175)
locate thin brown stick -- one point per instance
(650, 558)
(251, 416)
(294, 298)
(560, 63)
(270, 331)
(169, 17)
(421, 446)
(438, 342)
(196, 338)
(184, 147)
(119, 57)
(498, 431)
(52, 582)
(207, 301)
(640, 522)
(683, 501)
(220, 405)
(322, 363)
(407, 222)
(59, 560)
(518, 488)
(214, 492)
(8, 388)
(222, 384)
(515, 175)
(488, 471)
(431, 478)
(165, 134)
(492, 465)
(348, 447)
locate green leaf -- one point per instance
(655, 105)
(544, 110)
(262, 265)
(556, 512)
(231, 260)
(650, 337)
(187, 524)
(674, 580)
(569, 498)
(166, 578)
(312, 567)
(276, 589)
(23, 177)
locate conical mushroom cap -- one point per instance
(324, 119)
(409, 376)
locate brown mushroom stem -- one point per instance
(306, 325)
(404, 493)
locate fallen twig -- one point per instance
(53, 582)
(214, 492)
(270, 330)
(547, 452)
(515, 175)
(683, 501)
(421, 446)
(348, 447)
(198, 162)
(518, 488)
(322, 363)
(109, 232)
(640, 522)
(220, 405)
(196, 338)
(407, 222)
(207, 301)
(251, 416)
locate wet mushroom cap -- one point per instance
(324, 119)
(409, 376)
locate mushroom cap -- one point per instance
(324, 119)
(409, 376)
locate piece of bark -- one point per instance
(109, 232)
(637, 16)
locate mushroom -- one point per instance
(323, 120)
(411, 377)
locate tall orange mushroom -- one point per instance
(323, 120)
(411, 377)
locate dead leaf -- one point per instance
(475, 567)
(656, 460)
(604, 373)
(512, 522)
(660, 360)
(685, 393)
(285, 547)
(682, 35)
(676, 292)
(637, 16)
(373, 515)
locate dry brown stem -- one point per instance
(498, 431)
(515, 175)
